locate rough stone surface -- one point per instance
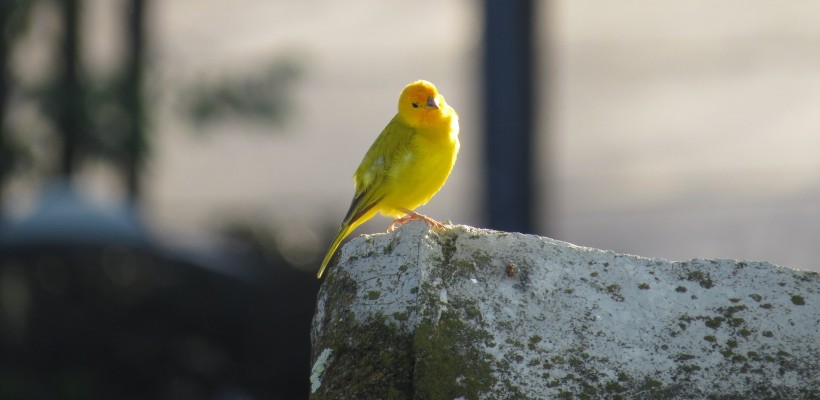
(476, 314)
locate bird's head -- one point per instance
(421, 105)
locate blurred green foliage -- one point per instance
(109, 116)
(14, 19)
(262, 94)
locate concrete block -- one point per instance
(469, 313)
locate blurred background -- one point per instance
(172, 171)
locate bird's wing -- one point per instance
(371, 178)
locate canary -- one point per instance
(406, 165)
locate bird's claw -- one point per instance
(414, 216)
(399, 222)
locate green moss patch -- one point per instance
(702, 278)
(449, 361)
(372, 359)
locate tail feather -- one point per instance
(361, 210)
(346, 228)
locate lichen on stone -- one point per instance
(439, 316)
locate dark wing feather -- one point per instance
(374, 171)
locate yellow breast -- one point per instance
(423, 169)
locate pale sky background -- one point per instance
(677, 129)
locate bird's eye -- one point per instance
(415, 105)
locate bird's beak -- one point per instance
(431, 102)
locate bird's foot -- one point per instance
(399, 222)
(414, 216)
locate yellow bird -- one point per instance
(406, 165)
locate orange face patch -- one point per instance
(420, 102)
